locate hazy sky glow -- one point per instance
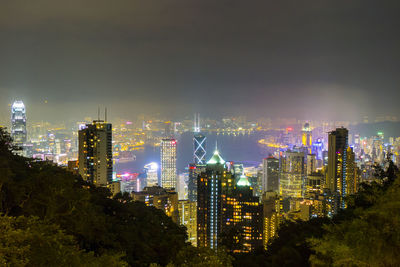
(307, 59)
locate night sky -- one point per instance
(309, 59)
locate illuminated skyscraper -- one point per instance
(243, 211)
(317, 148)
(352, 175)
(95, 153)
(311, 163)
(292, 174)
(306, 135)
(199, 148)
(168, 163)
(271, 216)
(151, 171)
(194, 171)
(199, 142)
(199, 157)
(18, 123)
(337, 164)
(188, 218)
(270, 180)
(211, 187)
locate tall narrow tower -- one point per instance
(199, 158)
(209, 201)
(18, 123)
(199, 142)
(306, 135)
(337, 163)
(168, 163)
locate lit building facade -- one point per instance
(317, 149)
(18, 123)
(337, 164)
(211, 187)
(306, 137)
(271, 216)
(168, 163)
(311, 163)
(352, 175)
(194, 171)
(199, 141)
(160, 198)
(95, 153)
(188, 218)
(243, 211)
(292, 174)
(270, 181)
(152, 174)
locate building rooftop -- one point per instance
(216, 158)
(243, 181)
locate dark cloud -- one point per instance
(303, 58)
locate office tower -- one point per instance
(194, 171)
(325, 157)
(182, 186)
(199, 157)
(95, 153)
(160, 198)
(168, 163)
(258, 186)
(212, 187)
(18, 123)
(270, 180)
(306, 135)
(352, 173)
(243, 212)
(188, 218)
(315, 180)
(199, 154)
(317, 148)
(292, 174)
(337, 164)
(311, 163)
(271, 216)
(152, 174)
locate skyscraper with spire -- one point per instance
(18, 123)
(211, 186)
(223, 205)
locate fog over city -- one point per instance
(311, 60)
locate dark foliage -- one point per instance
(97, 222)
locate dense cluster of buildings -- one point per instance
(220, 200)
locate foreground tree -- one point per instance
(98, 223)
(31, 242)
(370, 234)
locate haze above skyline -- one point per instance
(308, 59)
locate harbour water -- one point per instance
(242, 148)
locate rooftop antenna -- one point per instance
(105, 115)
(98, 113)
